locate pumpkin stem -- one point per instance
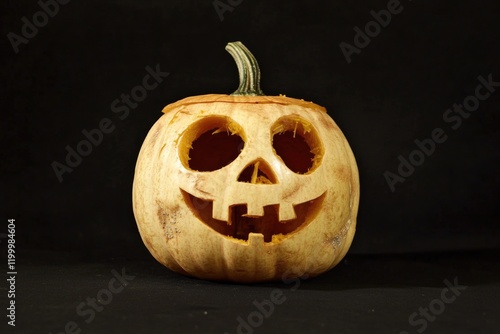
(248, 69)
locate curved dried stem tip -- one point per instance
(248, 69)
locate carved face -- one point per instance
(242, 173)
(246, 188)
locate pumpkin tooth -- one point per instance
(246, 224)
(286, 212)
(254, 209)
(220, 211)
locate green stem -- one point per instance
(248, 69)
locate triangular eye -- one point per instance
(296, 142)
(211, 144)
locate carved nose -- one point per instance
(258, 172)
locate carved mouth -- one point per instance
(241, 225)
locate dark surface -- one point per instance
(364, 294)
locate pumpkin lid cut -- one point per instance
(249, 89)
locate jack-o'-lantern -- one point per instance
(246, 187)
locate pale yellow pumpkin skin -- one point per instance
(172, 229)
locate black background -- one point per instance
(394, 91)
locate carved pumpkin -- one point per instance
(246, 187)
